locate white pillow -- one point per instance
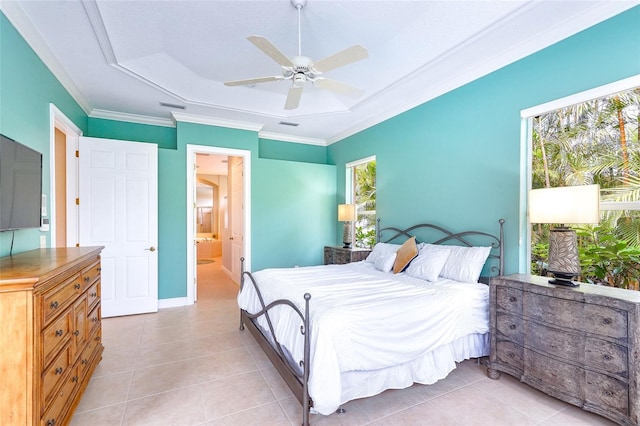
(429, 262)
(385, 262)
(465, 263)
(382, 249)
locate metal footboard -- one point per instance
(296, 379)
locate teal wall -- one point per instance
(455, 161)
(164, 137)
(26, 90)
(278, 150)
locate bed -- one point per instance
(416, 306)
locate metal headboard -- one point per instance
(496, 242)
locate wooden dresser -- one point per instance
(580, 345)
(51, 338)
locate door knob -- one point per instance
(152, 248)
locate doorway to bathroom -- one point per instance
(218, 205)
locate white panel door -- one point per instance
(118, 191)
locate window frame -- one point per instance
(526, 156)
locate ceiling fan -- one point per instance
(300, 69)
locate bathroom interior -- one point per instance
(211, 207)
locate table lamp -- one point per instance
(561, 206)
(347, 214)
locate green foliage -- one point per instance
(607, 260)
(365, 238)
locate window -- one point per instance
(594, 142)
(361, 191)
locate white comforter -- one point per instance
(363, 319)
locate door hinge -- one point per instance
(77, 153)
(77, 201)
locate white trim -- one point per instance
(587, 95)
(211, 121)
(174, 302)
(131, 118)
(21, 22)
(57, 119)
(361, 161)
(620, 205)
(290, 138)
(192, 150)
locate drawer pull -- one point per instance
(59, 333)
(607, 357)
(84, 361)
(74, 379)
(53, 305)
(58, 370)
(51, 422)
(606, 321)
(86, 279)
(512, 299)
(99, 269)
(77, 286)
(512, 327)
(94, 319)
(93, 294)
(76, 333)
(511, 355)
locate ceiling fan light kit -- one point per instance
(300, 69)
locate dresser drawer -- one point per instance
(94, 319)
(55, 372)
(606, 392)
(549, 340)
(89, 352)
(589, 318)
(56, 335)
(57, 299)
(566, 378)
(93, 294)
(511, 354)
(607, 356)
(509, 299)
(54, 414)
(511, 327)
(90, 275)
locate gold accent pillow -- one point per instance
(405, 254)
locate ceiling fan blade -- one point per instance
(344, 57)
(293, 98)
(338, 87)
(252, 81)
(267, 47)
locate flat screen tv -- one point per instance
(20, 186)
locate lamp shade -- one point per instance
(565, 205)
(346, 212)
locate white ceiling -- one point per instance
(121, 59)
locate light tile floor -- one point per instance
(192, 366)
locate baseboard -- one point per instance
(172, 303)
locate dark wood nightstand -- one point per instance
(338, 255)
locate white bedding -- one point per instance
(393, 329)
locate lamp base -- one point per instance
(563, 281)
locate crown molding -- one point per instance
(598, 13)
(290, 138)
(131, 118)
(21, 22)
(212, 121)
